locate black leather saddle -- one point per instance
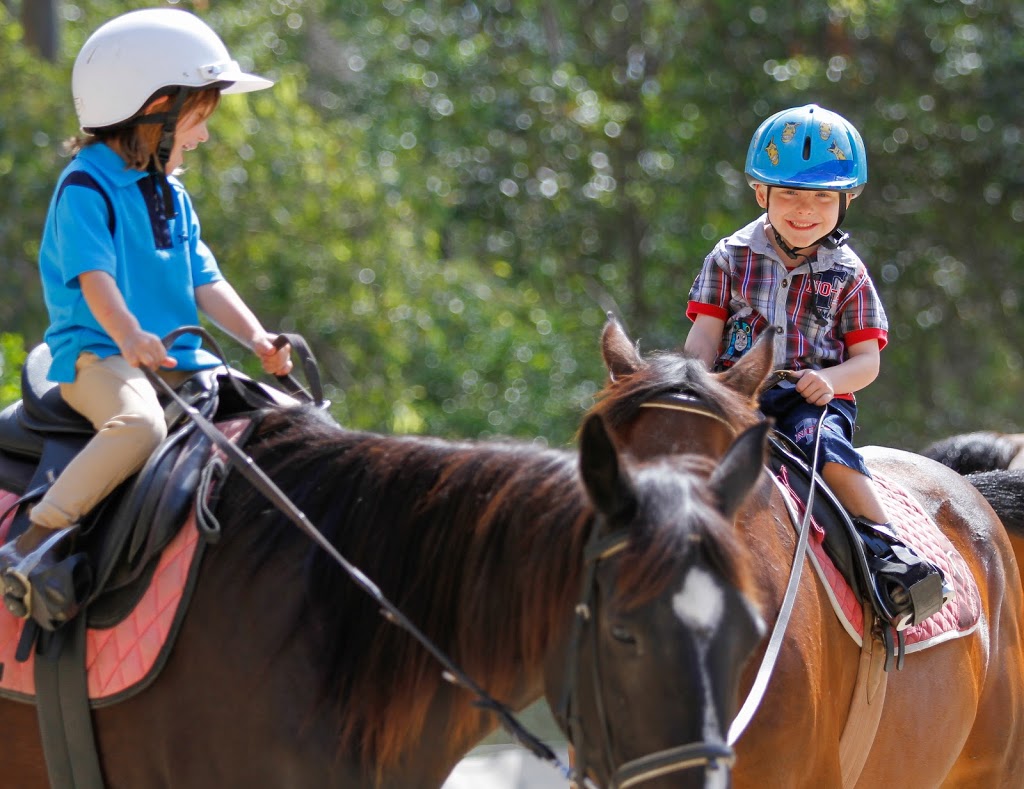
(39, 435)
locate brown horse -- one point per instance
(286, 674)
(950, 717)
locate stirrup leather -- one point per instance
(909, 588)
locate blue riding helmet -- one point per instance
(808, 147)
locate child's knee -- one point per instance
(145, 431)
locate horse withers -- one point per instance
(949, 717)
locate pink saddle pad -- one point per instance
(958, 618)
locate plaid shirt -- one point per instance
(825, 304)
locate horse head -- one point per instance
(650, 403)
(667, 617)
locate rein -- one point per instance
(708, 754)
(245, 465)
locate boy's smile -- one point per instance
(801, 216)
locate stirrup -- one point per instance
(17, 570)
(60, 590)
(906, 605)
(908, 588)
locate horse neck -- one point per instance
(479, 545)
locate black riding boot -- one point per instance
(41, 578)
(909, 588)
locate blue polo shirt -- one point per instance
(157, 263)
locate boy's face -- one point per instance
(801, 216)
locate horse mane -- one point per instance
(442, 528)
(970, 453)
(667, 372)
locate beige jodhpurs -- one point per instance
(123, 407)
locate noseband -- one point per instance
(708, 754)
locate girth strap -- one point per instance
(62, 707)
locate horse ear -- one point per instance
(740, 469)
(620, 355)
(607, 484)
(747, 375)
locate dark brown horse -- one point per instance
(994, 463)
(286, 674)
(951, 716)
(984, 450)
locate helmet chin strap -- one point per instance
(834, 239)
(157, 167)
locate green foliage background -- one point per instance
(446, 198)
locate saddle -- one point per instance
(40, 434)
(872, 558)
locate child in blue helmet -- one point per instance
(790, 272)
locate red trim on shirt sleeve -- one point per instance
(695, 308)
(854, 337)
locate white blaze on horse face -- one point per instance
(700, 603)
(700, 606)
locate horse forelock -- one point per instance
(676, 521)
(478, 544)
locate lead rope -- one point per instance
(245, 465)
(771, 655)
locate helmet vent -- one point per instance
(807, 148)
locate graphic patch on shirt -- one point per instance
(827, 287)
(741, 335)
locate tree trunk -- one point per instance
(39, 18)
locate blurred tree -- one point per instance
(446, 198)
(41, 24)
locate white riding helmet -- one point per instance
(134, 55)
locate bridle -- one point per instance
(709, 754)
(600, 547)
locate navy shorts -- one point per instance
(798, 420)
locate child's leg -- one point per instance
(123, 407)
(855, 492)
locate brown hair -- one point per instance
(137, 142)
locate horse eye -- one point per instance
(623, 635)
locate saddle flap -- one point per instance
(15, 438)
(841, 542)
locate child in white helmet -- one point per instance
(122, 264)
(790, 273)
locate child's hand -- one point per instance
(142, 349)
(276, 361)
(815, 388)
